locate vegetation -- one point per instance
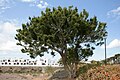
(64, 31)
(96, 72)
(113, 60)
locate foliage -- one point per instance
(109, 72)
(62, 30)
(113, 60)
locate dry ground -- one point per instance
(109, 72)
(16, 76)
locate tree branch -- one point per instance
(50, 46)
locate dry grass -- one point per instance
(109, 72)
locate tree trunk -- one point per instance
(73, 71)
(71, 68)
(64, 61)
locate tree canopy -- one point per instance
(62, 30)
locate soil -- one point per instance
(17, 76)
(109, 72)
(21, 73)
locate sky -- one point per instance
(15, 12)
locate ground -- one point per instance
(17, 76)
(104, 72)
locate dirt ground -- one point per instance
(109, 72)
(25, 73)
(16, 76)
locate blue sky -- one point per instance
(15, 12)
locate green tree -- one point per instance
(64, 31)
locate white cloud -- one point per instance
(7, 34)
(42, 5)
(8, 28)
(114, 12)
(41, 2)
(38, 3)
(114, 44)
(5, 4)
(27, 0)
(8, 46)
(6, 7)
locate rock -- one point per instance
(60, 74)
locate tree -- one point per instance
(64, 31)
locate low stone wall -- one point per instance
(18, 69)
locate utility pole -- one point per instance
(105, 52)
